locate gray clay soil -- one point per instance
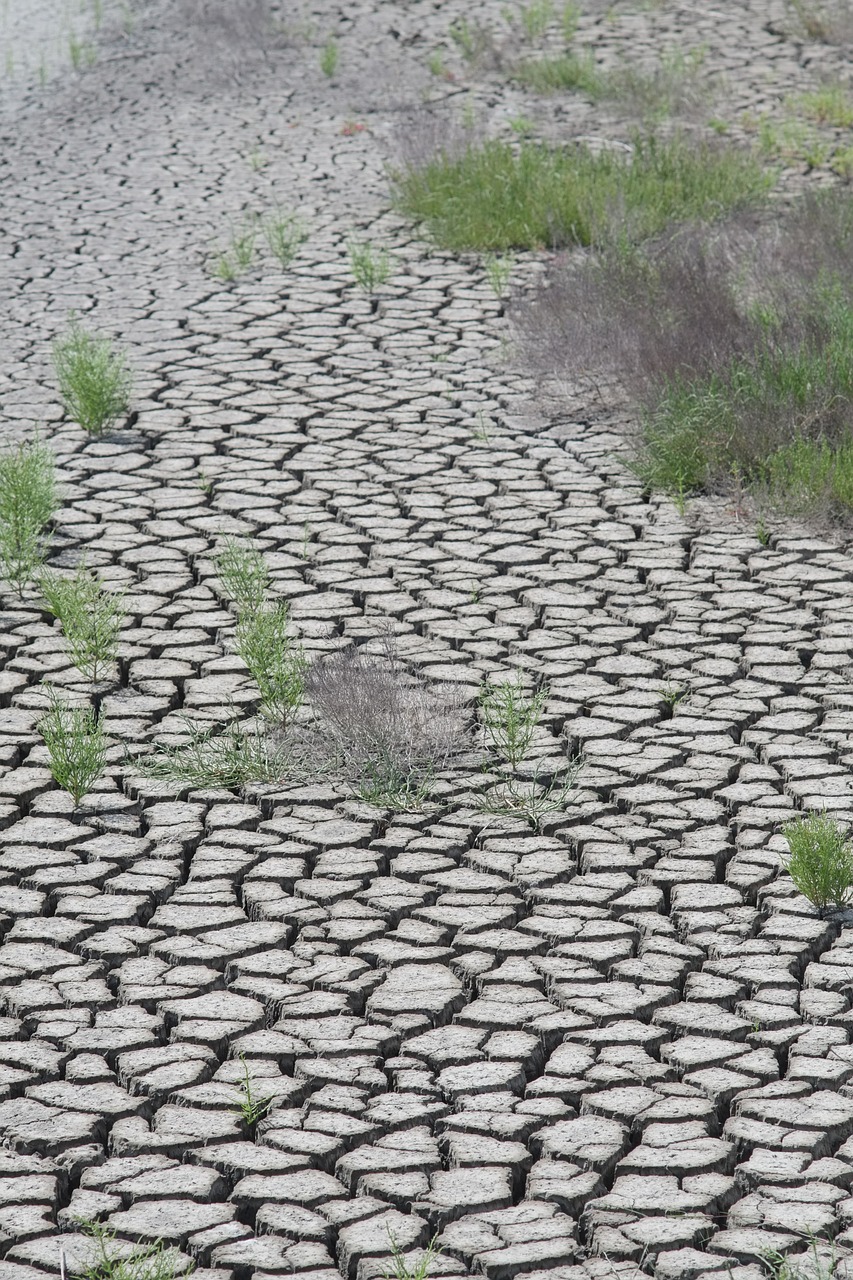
(621, 1042)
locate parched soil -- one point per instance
(621, 1041)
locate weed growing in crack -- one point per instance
(243, 573)
(471, 39)
(76, 746)
(231, 758)
(91, 618)
(673, 694)
(329, 58)
(27, 503)
(418, 1269)
(820, 861)
(494, 196)
(392, 730)
(94, 379)
(251, 1108)
(370, 266)
(535, 18)
(509, 716)
(827, 21)
(119, 1260)
(535, 799)
(276, 662)
(819, 1262)
(498, 269)
(284, 233)
(240, 253)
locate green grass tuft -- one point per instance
(230, 759)
(821, 860)
(90, 616)
(76, 746)
(495, 196)
(94, 379)
(27, 503)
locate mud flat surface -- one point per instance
(619, 1042)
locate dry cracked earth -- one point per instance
(617, 1045)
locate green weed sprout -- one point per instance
(94, 379)
(76, 746)
(370, 267)
(329, 58)
(820, 862)
(244, 575)
(420, 1270)
(510, 716)
(90, 616)
(534, 799)
(284, 233)
(498, 270)
(27, 502)
(276, 663)
(118, 1261)
(250, 1107)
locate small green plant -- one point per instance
(672, 694)
(244, 575)
(509, 716)
(820, 1262)
(418, 1270)
(94, 379)
(80, 52)
(566, 71)
(284, 233)
(228, 759)
(329, 58)
(820, 861)
(91, 618)
(435, 65)
(536, 17)
(257, 160)
(76, 746)
(240, 253)
(467, 37)
(498, 271)
(275, 661)
(116, 1260)
(830, 105)
(27, 503)
(370, 267)
(570, 20)
(535, 799)
(481, 431)
(762, 533)
(384, 785)
(250, 1107)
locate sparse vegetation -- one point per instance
(534, 799)
(672, 86)
(510, 715)
(498, 271)
(91, 618)
(229, 758)
(244, 575)
(370, 266)
(494, 196)
(820, 862)
(284, 233)
(408, 1268)
(119, 1260)
(329, 58)
(391, 729)
(274, 659)
(76, 746)
(27, 503)
(251, 1107)
(94, 379)
(240, 253)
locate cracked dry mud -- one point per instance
(623, 1042)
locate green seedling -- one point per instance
(534, 800)
(275, 661)
(498, 271)
(509, 716)
(672, 694)
(250, 1107)
(329, 58)
(27, 503)
(284, 233)
(118, 1260)
(762, 533)
(91, 618)
(76, 746)
(94, 379)
(536, 17)
(370, 267)
(820, 861)
(244, 576)
(417, 1270)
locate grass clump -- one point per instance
(415, 1266)
(118, 1260)
(498, 270)
(284, 233)
(671, 86)
(94, 379)
(27, 503)
(509, 716)
(329, 58)
(392, 731)
(240, 253)
(494, 196)
(251, 1107)
(229, 759)
(830, 105)
(76, 746)
(370, 266)
(820, 862)
(534, 799)
(91, 618)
